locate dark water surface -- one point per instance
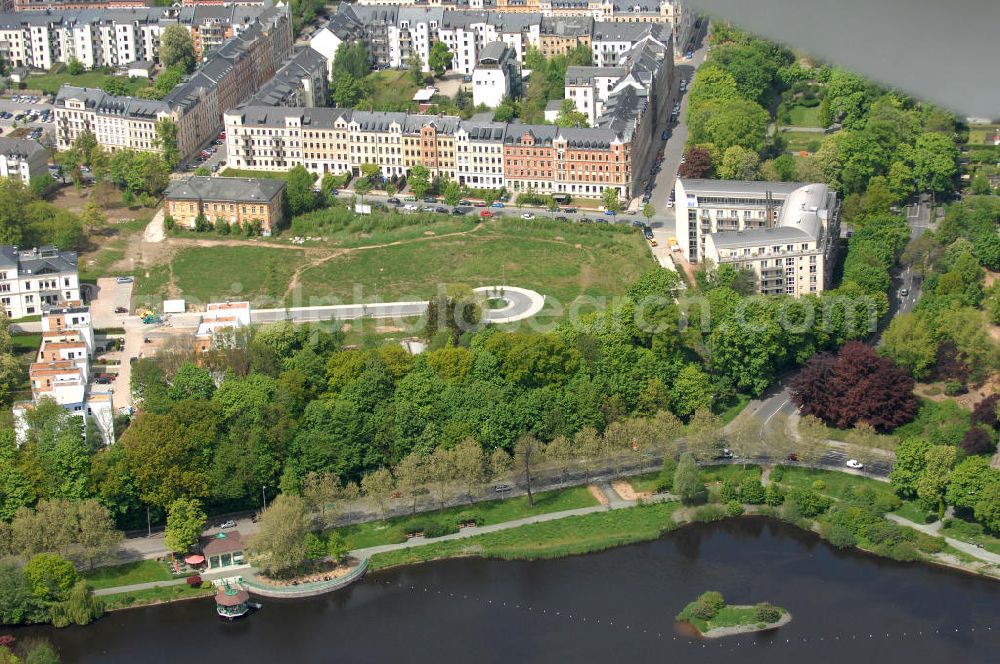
(615, 606)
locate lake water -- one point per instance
(615, 606)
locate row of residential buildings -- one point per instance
(616, 152)
(114, 37)
(229, 76)
(396, 32)
(785, 232)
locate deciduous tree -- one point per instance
(185, 521)
(279, 545)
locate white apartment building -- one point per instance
(613, 39)
(786, 233)
(412, 35)
(22, 159)
(496, 76)
(589, 87)
(479, 154)
(34, 278)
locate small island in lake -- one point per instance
(712, 617)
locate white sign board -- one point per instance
(362, 209)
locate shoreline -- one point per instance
(720, 632)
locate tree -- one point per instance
(18, 603)
(738, 163)
(51, 576)
(569, 116)
(315, 547)
(935, 163)
(470, 465)
(299, 192)
(610, 199)
(500, 463)
(933, 482)
(855, 386)
(376, 485)
(416, 67)
(279, 545)
(191, 382)
(648, 211)
(412, 476)
(177, 48)
(687, 481)
(166, 140)
(362, 187)
(697, 163)
(320, 490)
(507, 110)
(527, 451)
(419, 180)
(452, 193)
(75, 67)
(911, 461)
(969, 480)
(692, 390)
(185, 521)
(987, 509)
(336, 547)
(812, 440)
(910, 343)
(456, 311)
(439, 59)
(977, 440)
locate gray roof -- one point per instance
(304, 63)
(40, 260)
(737, 188)
(203, 187)
(325, 118)
(586, 75)
(22, 148)
(567, 26)
(484, 130)
(755, 237)
(622, 112)
(802, 218)
(102, 102)
(617, 31)
(494, 52)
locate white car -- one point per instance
(855, 464)
(228, 524)
(527, 215)
(670, 204)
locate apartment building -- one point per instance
(231, 75)
(562, 34)
(301, 81)
(113, 37)
(479, 153)
(22, 159)
(763, 226)
(497, 75)
(236, 201)
(62, 372)
(33, 278)
(612, 40)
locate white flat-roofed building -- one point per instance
(22, 159)
(794, 253)
(496, 76)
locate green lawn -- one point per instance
(342, 228)
(154, 596)
(562, 261)
(391, 90)
(911, 510)
(732, 471)
(50, 83)
(212, 274)
(247, 173)
(550, 539)
(734, 408)
(980, 134)
(646, 482)
(374, 533)
(142, 571)
(803, 116)
(26, 344)
(836, 483)
(797, 141)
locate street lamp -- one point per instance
(263, 495)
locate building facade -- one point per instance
(235, 201)
(22, 159)
(497, 75)
(786, 233)
(33, 278)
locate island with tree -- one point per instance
(713, 618)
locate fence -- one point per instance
(308, 589)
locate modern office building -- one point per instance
(785, 232)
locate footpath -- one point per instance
(934, 529)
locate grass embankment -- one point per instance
(50, 83)
(804, 116)
(143, 571)
(798, 141)
(836, 485)
(154, 596)
(393, 531)
(248, 173)
(550, 539)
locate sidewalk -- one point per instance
(207, 576)
(934, 529)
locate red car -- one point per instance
(485, 214)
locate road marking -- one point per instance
(778, 410)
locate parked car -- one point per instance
(562, 218)
(464, 202)
(104, 379)
(724, 453)
(666, 134)
(855, 464)
(569, 210)
(430, 199)
(610, 213)
(124, 280)
(585, 220)
(485, 214)
(228, 524)
(497, 204)
(527, 215)
(391, 201)
(904, 292)
(648, 234)
(441, 209)
(461, 209)
(121, 310)
(502, 488)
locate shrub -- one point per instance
(205, 585)
(766, 612)
(818, 485)
(435, 529)
(752, 491)
(734, 508)
(194, 580)
(713, 599)
(809, 503)
(838, 535)
(773, 495)
(929, 543)
(728, 492)
(469, 517)
(777, 473)
(168, 222)
(903, 551)
(665, 480)
(954, 388)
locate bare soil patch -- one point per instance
(597, 494)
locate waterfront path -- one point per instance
(934, 529)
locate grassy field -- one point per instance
(803, 116)
(142, 571)
(392, 531)
(561, 261)
(732, 471)
(154, 596)
(836, 484)
(391, 90)
(247, 173)
(728, 616)
(971, 533)
(911, 510)
(797, 141)
(108, 247)
(343, 229)
(50, 83)
(25, 344)
(550, 539)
